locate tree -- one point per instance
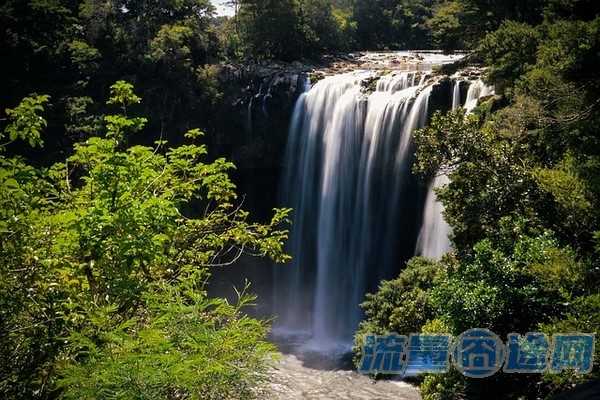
(447, 27)
(374, 23)
(492, 13)
(111, 250)
(510, 51)
(271, 28)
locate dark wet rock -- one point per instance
(441, 95)
(253, 118)
(250, 126)
(369, 85)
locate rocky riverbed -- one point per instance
(294, 379)
(306, 372)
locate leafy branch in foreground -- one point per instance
(111, 249)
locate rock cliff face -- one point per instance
(253, 118)
(250, 128)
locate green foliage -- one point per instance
(270, 28)
(346, 28)
(80, 120)
(446, 25)
(325, 27)
(584, 316)
(510, 51)
(84, 57)
(384, 24)
(450, 386)
(571, 9)
(402, 305)
(75, 50)
(171, 44)
(569, 191)
(106, 249)
(448, 138)
(570, 48)
(291, 29)
(121, 93)
(438, 24)
(25, 121)
(31, 324)
(183, 344)
(295, 29)
(509, 292)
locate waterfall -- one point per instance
(434, 239)
(348, 167)
(456, 94)
(358, 212)
(477, 90)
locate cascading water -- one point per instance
(456, 94)
(358, 209)
(349, 157)
(477, 90)
(434, 239)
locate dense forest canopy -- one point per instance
(74, 50)
(111, 222)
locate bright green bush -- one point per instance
(402, 305)
(183, 344)
(509, 51)
(512, 291)
(584, 317)
(103, 263)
